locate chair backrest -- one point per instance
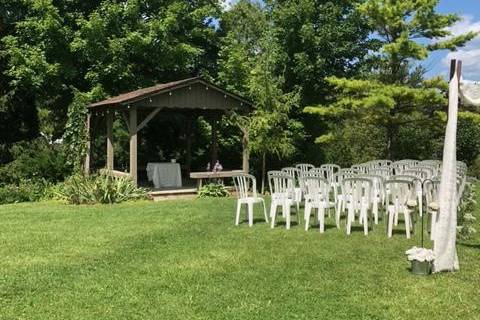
(398, 191)
(421, 174)
(323, 172)
(357, 191)
(429, 169)
(384, 172)
(377, 184)
(243, 184)
(349, 171)
(360, 168)
(304, 167)
(431, 189)
(317, 188)
(280, 183)
(331, 170)
(293, 172)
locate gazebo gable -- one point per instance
(192, 93)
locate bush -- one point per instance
(213, 190)
(36, 160)
(466, 217)
(26, 190)
(79, 189)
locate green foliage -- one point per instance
(466, 212)
(37, 160)
(320, 39)
(401, 113)
(24, 191)
(468, 137)
(399, 25)
(75, 135)
(103, 188)
(213, 190)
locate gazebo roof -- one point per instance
(192, 93)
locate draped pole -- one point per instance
(444, 246)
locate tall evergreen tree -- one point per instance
(394, 96)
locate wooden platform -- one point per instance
(185, 193)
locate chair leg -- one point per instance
(321, 219)
(237, 216)
(298, 212)
(365, 221)
(406, 214)
(350, 219)
(390, 223)
(250, 214)
(273, 213)
(286, 209)
(433, 224)
(265, 211)
(308, 210)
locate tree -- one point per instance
(320, 38)
(395, 95)
(252, 63)
(54, 51)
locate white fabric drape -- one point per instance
(470, 92)
(446, 227)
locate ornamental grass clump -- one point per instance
(103, 188)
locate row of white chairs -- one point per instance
(360, 191)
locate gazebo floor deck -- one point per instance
(172, 193)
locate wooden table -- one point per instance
(213, 175)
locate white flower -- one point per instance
(420, 254)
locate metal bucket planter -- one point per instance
(421, 267)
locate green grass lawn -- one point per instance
(186, 260)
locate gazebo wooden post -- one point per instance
(86, 165)
(188, 144)
(133, 144)
(214, 146)
(109, 117)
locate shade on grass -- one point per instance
(186, 260)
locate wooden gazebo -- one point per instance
(139, 107)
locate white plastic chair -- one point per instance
(378, 193)
(245, 183)
(304, 167)
(298, 190)
(317, 197)
(398, 201)
(384, 172)
(282, 191)
(331, 169)
(431, 190)
(339, 197)
(357, 194)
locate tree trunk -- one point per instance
(263, 172)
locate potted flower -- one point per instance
(421, 260)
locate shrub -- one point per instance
(213, 190)
(26, 190)
(466, 218)
(103, 188)
(35, 160)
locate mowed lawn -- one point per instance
(186, 260)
